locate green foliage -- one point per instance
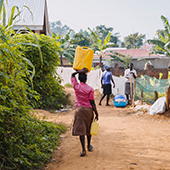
(45, 80)
(128, 60)
(25, 142)
(68, 85)
(13, 15)
(100, 47)
(80, 39)
(57, 27)
(29, 143)
(134, 41)
(102, 31)
(162, 43)
(65, 48)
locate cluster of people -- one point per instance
(85, 103)
(130, 74)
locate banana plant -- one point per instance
(100, 48)
(65, 48)
(162, 44)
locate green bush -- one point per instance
(29, 145)
(68, 85)
(25, 142)
(45, 81)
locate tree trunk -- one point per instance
(101, 64)
(100, 61)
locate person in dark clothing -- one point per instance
(106, 85)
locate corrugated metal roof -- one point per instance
(134, 53)
(37, 7)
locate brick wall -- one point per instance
(151, 71)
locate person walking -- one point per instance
(130, 74)
(106, 85)
(85, 105)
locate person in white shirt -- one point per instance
(130, 74)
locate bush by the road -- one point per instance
(25, 142)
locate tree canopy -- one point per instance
(134, 41)
(81, 39)
(162, 43)
(102, 31)
(57, 27)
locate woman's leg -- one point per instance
(108, 97)
(82, 140)
(89, 146)
(102, 98)
(88, 140)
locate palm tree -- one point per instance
(65, 48)
(100, 47)
(162, 43)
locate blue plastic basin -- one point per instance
(119, 97)
(120, 104)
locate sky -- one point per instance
(124, 16)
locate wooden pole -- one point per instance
(131, 88)
(133, 99)
(141, 97)
(167, 98)
(156, 95)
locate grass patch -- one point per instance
(68, 85)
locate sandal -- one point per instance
(90, 149)
(82, 153)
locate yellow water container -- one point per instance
(83, 58)
(94, 128)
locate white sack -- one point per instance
(158, 107)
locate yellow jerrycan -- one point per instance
(94, 128)
(83, 58)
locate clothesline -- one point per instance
(93, 79)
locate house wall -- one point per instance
(151, 71)
(161, 63)
(65, 61)
(158, 63)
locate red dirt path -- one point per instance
(126, 140)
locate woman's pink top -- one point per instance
(83, 93)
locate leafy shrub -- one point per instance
(46, 83)
(31, 144)
(25, 142)
(68, 85)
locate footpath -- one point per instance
(126, 140)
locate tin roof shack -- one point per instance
(36, 19)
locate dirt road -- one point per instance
(126, 140)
